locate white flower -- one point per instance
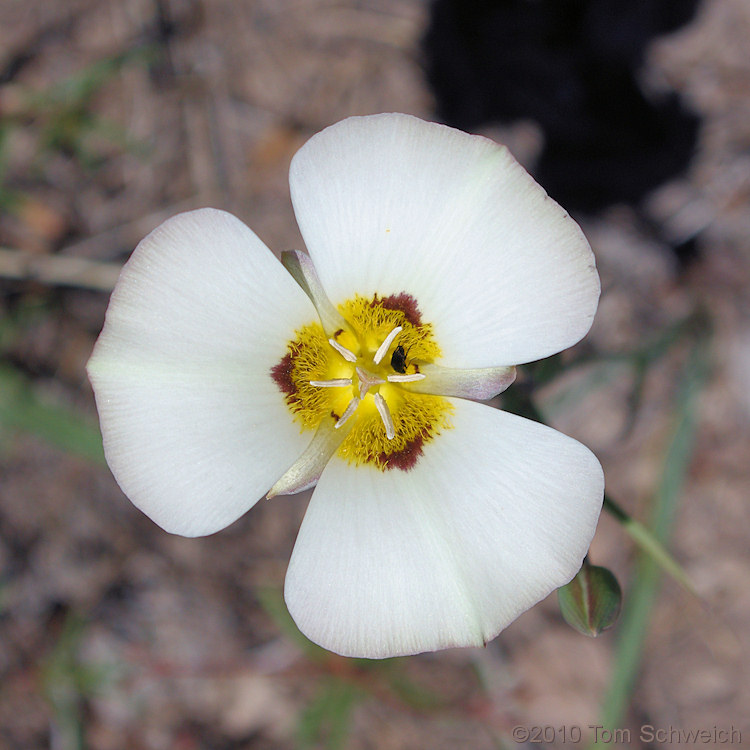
(440, 265)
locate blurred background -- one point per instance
(115, 114)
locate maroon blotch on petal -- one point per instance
(282, 375)
(404, 303)
(406, 458)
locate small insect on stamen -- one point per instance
(349, 356)
(386, 345)
(398, 359)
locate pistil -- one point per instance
(367, 380)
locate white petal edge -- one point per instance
(390, 203)
(195, 430)
(497, 513)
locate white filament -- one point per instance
(385, 415)
(349, 356)
(412, 378)
(335, 383)
(353, 404)
(383, 348)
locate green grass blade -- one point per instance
(22, 410)
(642, 595)
(325, 722)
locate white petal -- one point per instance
(480, 384)
(497, 513)
(195, 429)
(389, 204)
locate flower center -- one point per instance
(362, 374)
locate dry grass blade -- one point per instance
(58, 270)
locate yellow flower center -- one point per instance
(363, 373)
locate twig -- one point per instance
(58, 270)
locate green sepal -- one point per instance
(591, 602)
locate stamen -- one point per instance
(353, 404)
(335, 383)
(367, 380)
(385, 415)
(383, 348)
(409, 378)
(343, 351)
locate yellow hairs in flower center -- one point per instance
(417, 418)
